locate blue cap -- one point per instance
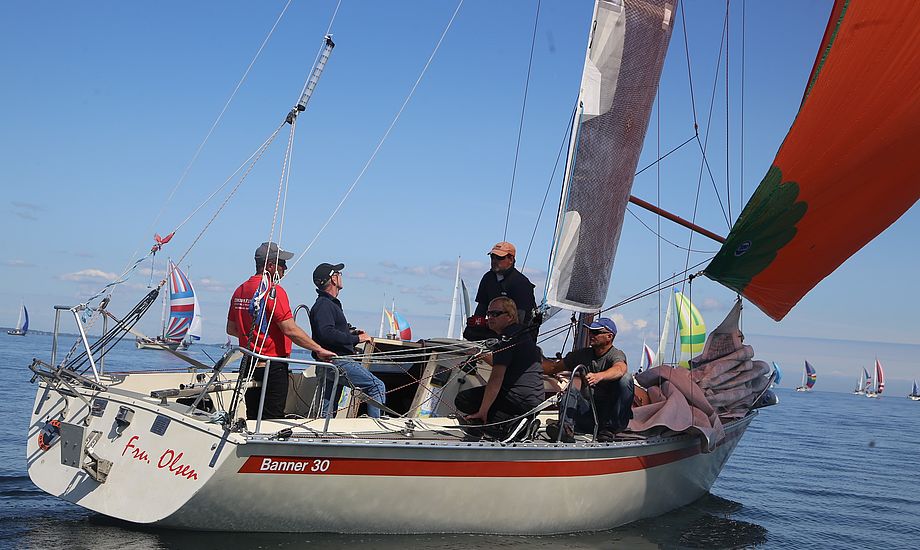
(603, 323)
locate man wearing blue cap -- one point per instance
(608, 377)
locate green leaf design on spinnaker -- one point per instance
(765, 226)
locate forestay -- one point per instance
(626, 50)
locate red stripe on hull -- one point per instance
(445, 468)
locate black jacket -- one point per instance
(330, 329)
(515, 285)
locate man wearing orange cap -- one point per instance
(502, 280)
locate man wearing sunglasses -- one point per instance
(260, 318)
(331, 329)
(607, 377)
(502, 280)
(515, 385)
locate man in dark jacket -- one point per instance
(332, 331)
(502, 280)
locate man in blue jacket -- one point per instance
(332, 331)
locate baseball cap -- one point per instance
(503, 248)
(270, 251)
(603, 323)
(323, 273)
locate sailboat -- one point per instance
(914, 392)
(22, 323)
(862, 383)
(809, 377)
(183, 325)
(181, 439)
(876, 388)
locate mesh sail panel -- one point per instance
(626, 52)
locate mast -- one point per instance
(324, 53)
(165, 294)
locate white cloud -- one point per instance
(625, 325)
(18, 263)
(89, 275)
(206, 283)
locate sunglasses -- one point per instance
(497, 258)
(495, 313)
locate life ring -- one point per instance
(49, 434)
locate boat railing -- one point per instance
(290, 360)
(581, 371)
(84, 340)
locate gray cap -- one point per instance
(270, 251)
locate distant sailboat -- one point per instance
(184, 323)
(399, 326)
(864, 381)
(915, 393)
(22, 324)
(876, 390)
(809, 377)
(648, 357)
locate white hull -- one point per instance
(802, 388)
(873, 395)
(157, 343)
(196, 476)
(914, 397)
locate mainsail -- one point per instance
(626, 50)
(847, 168)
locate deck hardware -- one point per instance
(123, 419)
(98, 468)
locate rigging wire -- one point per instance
(704, 163)
(549, 184)
(658, 234)
(381, 142)
(728, 188)
(705, 144)
(660, 158)
(517, 148)
(134, 261)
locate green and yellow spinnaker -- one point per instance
(691, 327)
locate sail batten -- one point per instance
(626, 50)
(846, 169)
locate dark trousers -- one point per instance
(612, 400)
(275, 393)
(469, 401)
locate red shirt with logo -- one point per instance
(269, 340)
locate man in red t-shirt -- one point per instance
(274, 329)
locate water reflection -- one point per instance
(706, 523)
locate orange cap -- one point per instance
(503, 248)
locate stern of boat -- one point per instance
(120, 453)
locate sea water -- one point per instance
(819, 470)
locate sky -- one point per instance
(106, 104)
